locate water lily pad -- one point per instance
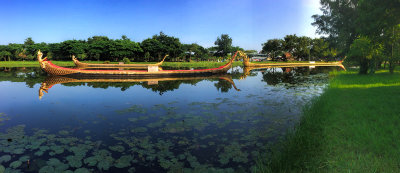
(132, 119)
(139, 130)
(53, 162)
(44, 148)
(123, 161)
(57, 165)
(63, 132)
(105, 164)
(74, 161)
(39, 153)
(104, 159)
(15, 164)
(91, 161)
(133, 108)
(57, 149)
(19, 151)
(61, 167)
(81, 170)
(132, 170)
(46, 169)
(5, 158)
(24, 158)
(117, 148)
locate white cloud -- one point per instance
(309, 8)
(312, 4)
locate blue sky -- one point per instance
(249, 22)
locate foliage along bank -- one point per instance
(102, 48)
(366, 31)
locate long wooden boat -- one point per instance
(247, 63)
(50, 81)
(136, 66)
(152, 71)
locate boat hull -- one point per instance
(52, 69)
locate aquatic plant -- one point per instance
(123, 161)
(63, 132)
(46, 169)
(233, 152)
(5, 158)
(15, 164)
(3, 117)
(74, 161)
(117, 148)
(133, 108)
(81, 170)
(24, 158)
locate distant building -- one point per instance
(191, 53)
(257, 58)
(289, 56)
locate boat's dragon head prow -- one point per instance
(161, 62)
(74, 59)
(41, 61)
(246, 59)
(43, 89)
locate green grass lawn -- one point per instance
(353, 127)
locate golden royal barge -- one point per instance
(152, 71)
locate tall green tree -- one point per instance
(153, 47)
(345, 20)
(319, 48)
(302, 48)
(124, 48)
(361, 51)
(224, 45)
(73, 47)
(18, 51)
(273, 47)
(162, 44)
(339, 21)
(28, 41)
(29, 46)
(169, 45)
(290, 43)
(98, 48)
(392, 47)
(5, 55)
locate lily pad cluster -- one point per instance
(224, 134)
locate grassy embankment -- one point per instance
(202, 64)
(353, 127)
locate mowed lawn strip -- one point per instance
(353, 127)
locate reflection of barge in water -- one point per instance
(53, 80)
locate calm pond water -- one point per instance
(216, 124)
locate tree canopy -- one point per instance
(224, 45)
(301, 48)
(350, 22)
